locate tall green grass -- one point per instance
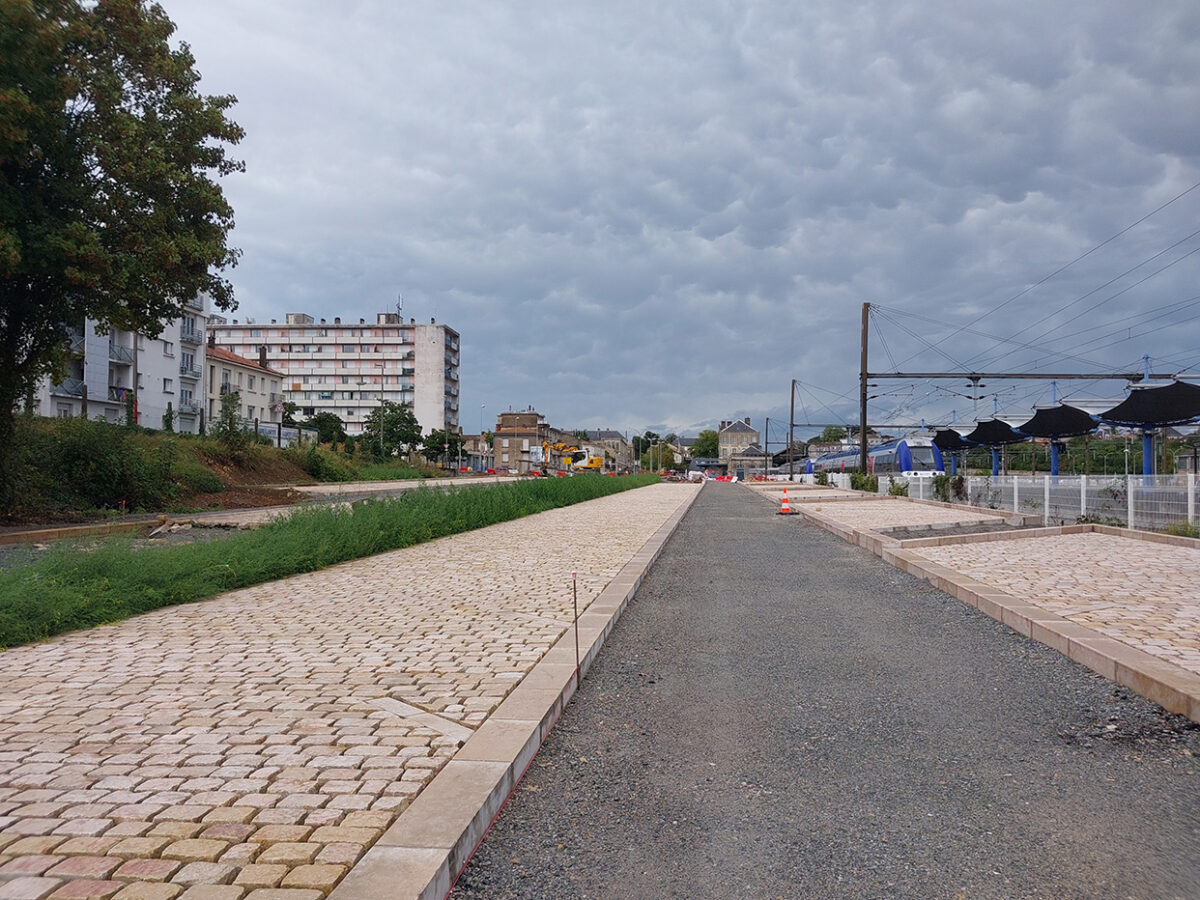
(72, 588)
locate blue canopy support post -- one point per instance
(953, 463)
(1147, 452)
(1053, 456)
(995, 460)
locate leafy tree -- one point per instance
(831, 434)
(581, 435)
(289, 413)
(228, 427)
(107, 207)
(390, 429)
(706, 444)
(659, 457)
(330, 427)
(435, 443)
(642, 442)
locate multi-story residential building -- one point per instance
(349, 368)
(256, 384)
(104, 368)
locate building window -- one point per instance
(168, 348)
(504, 457)
(251, 384)
(185, 396)
(250, 412)
(64, 411)
(168, 386)
(504, 444)
(524, 443)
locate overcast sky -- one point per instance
(656, 215)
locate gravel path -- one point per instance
(780, 714)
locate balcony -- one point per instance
(227, 388)
(77, 345)
(194, 303)
(70, 387)
(191, 335)
(189, 408)
(189, 370)
(118, 393)
(120, 355)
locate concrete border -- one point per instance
(422, 854)
(1171, 686)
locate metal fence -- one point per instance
(1135, 501)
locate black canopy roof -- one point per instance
(1153, 405)
(950, 440)
(993, 431)
(1058, 421)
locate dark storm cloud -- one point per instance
(660, 214)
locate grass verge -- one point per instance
(71, 588)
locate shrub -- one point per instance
(1182, 529)
(822, 478)
(941, 487)
(861, 482)
(897, 488)
(321, 464)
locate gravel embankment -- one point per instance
(780, 714)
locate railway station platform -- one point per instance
(350, 733)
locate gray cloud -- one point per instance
(657, 215)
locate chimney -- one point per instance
(337, 320)
(212, 338)
(262, 355)
(747, 420)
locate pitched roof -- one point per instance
(738, 426)
(214, 352)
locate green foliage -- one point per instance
(72, 588)
(897, 488)
(330, 427)
(1182, 529)
(707, 445)
(108, 209)
(822, 478)
(391, 429)
(941, 487)
(228, 427)
(433, 448)
(168, 421)
(642, 442)
(348, 445)
(832, 434)
(289, 413)
(321, 464)
(861, 482)
(389, 471)
(658, 457)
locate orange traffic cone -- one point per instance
(785, 510)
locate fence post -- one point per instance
(1082, 496)
(1016, 490)
(1191, 489)
(1129, 501)
(1046, 500)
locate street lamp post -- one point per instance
(482, 443)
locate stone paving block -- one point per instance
(178, 831)
(261, 876)
(34, 846)
(87, 889)
(37, 864)
(213, 892)
(340, 854)
(149, 890)
(147, 870)
(196, 850)
(283, 894)
(88, 846)
(314, 877)
(28, 887)
(140, 847)
(274, 834)
(289, 854)
(205, 873)
(95, 867)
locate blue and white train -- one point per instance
(907, 456)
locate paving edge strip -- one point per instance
(427, 847)
(1171, 686)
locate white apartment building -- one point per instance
(256, 384)
(105, 367)
(349, 368)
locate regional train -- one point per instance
(907, 456)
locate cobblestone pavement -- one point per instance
(255, 745)
(1141, 593)
(890, 513)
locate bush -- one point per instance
(822, 478)
(861, 482)
(321, 464)
(1182, 529)
(941, 488)
(897, 488)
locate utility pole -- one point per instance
(791, 433)
(862, 391)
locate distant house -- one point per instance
(734, 438)
(256, 384)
